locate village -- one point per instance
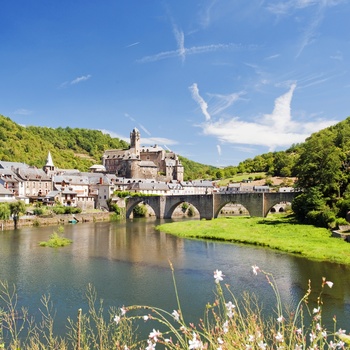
(146, 170)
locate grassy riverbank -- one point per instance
(276, 231)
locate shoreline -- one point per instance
(55, 220)
(274, 232)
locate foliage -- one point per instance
(70, 148)
(60, 209)
(230, 322)
(194, 170)
(56, 240)
(5, 211)
(191, 212)
(277, 231)
(140, 211)
(323, 173)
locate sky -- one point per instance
(216, 81)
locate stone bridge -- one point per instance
(209, 205)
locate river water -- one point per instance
(128, 263)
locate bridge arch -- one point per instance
(175, 203)
(131, 203)
(277, 198)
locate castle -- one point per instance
(141, 162)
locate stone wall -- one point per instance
(55, 220)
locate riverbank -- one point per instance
(53, 219)
(276, 232)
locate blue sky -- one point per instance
(216, 81)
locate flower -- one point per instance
(298, 347)
(154, 335)
(251, 338)
(218, 275)
(220, 341)
(225, 327)
(329, 284)
(315, 311)
(123, 310)
(280, 319)
(299, 331)
(145, 317)
(279, 337)
(262, 345)
(116, 319)
(341, 331)
(195, 343)
(312, 336)
(176, 315)
(230, 307)
(255, 269)
(150, 346)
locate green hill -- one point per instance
(71, 148)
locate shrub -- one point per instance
(140, 211)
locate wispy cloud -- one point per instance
(133, 44)
(218, 147)
(222, 102)
(75, 81)
(144, 140)
(283, 8)
(200, 101)
(180, 40)
(182, 52)
(277, 129)
(205, 14)
(22, 111)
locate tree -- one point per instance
(16, 208)
(4, 211)
(319, 165)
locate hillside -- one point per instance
(71, 148)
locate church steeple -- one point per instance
(49, 166)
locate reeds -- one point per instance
(229, 322)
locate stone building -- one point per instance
(143, 162)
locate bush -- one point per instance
(191, 212)
(140, 211)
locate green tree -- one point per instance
(4, 211)
(17, 208)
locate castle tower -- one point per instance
(135, 141)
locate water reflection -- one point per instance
(128, 263)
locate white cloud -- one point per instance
(222, 102)
(180, 40)
(282, 8)
(144, 140)
(202, 104)
(133, 44)
(270, 130)
(218, 147)
(182, 52)
(22, 111)
(75, 81)
(80, 79)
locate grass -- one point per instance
(278, 232)
(56, 240)
(229, 323)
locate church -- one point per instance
(141, 162)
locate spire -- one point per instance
(49, 162)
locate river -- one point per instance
(128, 263)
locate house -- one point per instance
(6, 196)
